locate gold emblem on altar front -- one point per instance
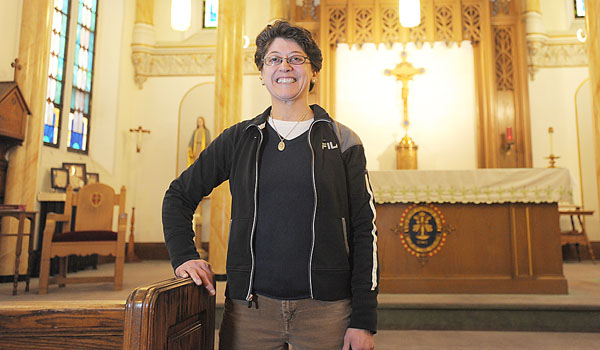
(422, 230)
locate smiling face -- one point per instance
(285, 82)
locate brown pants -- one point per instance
(305, 324)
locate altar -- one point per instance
(472, 231)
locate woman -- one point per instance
(302, 265)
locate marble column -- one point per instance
(535, 31)
(228, 103)
(280, 9)
(592, 18)
(24, 161)
(143, 40)
(144, 11)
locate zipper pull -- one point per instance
(250, 298)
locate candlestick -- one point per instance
(551, 157)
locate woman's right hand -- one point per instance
(200, 271)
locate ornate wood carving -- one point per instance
(363, 29)
(337, 25)
(443, 23)
(471, 23)
(504, 58)
(390, 27)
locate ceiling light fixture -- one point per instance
(410, 12)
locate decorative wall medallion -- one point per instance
(96, 199)
(422, 230)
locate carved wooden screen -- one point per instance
(493, 28)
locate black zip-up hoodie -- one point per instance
(343, 261)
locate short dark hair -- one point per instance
(288, 31)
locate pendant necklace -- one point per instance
(281, 144)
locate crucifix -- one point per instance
(15, 64)
(139, 132)
(406, 150)
(130, 256)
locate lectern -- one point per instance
(13, 122)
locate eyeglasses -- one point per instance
(293, 60)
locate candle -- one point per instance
(550, 132)
(509, 135)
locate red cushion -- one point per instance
(79, 236)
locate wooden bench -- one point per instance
(172, 314)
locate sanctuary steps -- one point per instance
(578, 311)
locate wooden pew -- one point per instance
(171, 314)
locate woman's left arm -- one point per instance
(363, 241)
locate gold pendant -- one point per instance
(281, 146)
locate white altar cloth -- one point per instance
(523, 185)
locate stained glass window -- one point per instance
(56, 72)
(579, 8)
(211, 13)
(79, 116)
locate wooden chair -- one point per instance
(93, 234)
(575, 236)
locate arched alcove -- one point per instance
(198, 101)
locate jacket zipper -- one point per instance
(312, 248)
(345, 231)
(249, 296)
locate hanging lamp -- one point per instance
(410, 12)
(181, 14)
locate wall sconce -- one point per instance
(410, 12)
(507, 140)
(581, 36)
(181, 14)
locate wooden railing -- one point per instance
(172, 314)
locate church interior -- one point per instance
(482, 116)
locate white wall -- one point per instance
(552, 101)
(10, 27)
(156, 166)
(370, 103)
(558, 17)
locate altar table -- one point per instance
(501, 230)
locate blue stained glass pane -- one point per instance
(58, 91)
(90, 60)
(76, 58)
(78, 40)
(93, 26)
(94, 4)
(61, 51)
(80, 12)
(66, 6)
(73, 95)
(87, 104)
(91, 42)
(63, 28)
(61, 63)
(48, 133)
(88, 86)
